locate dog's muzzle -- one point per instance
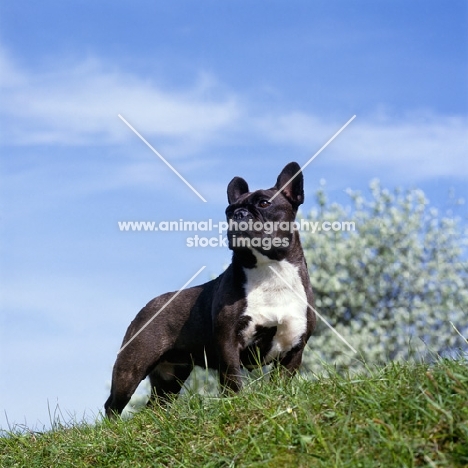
(241, 214)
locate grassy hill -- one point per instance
(400, 415)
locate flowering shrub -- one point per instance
(393, 287)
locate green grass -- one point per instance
(396, 416)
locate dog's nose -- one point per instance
(240, 214)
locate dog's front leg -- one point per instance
(230, 375)
(229, 365)
(289, 364)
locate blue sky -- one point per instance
(220, 89)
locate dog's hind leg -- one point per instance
(125, 381)
(133, 364)
(167, 379)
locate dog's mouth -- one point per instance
(240, 233)
(243, 237)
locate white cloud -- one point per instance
(79, 105)
(434, 147)
(417, 146)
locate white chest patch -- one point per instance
(271, 303)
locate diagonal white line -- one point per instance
(313, 157)
(161, 157)
(161, 309)
(313, 310)
(455, 328)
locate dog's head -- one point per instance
(263, 220)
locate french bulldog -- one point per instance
(258, 311)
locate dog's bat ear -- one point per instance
(291, 184)
(237, 187)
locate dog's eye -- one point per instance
(264, 203)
